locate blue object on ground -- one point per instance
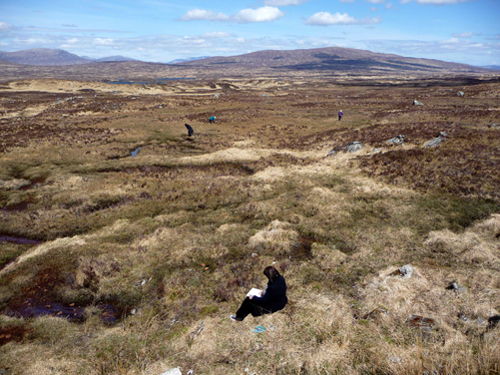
(258, 329)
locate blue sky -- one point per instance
(465, 31)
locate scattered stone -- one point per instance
(424, 324)
(494, 126)
(395, 359)
(457, 288)
(405, 271)
(460, 93)
(416, 102)
(471, 318)
(331, 152)
(442, 134)
(174, 371)
(354, 146)
(435, 142)
(133, 311)
(197, 331)
(217, 96)
(398, 140)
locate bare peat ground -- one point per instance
(125, 244)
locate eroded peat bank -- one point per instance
(125, 244)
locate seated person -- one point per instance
(272, 299)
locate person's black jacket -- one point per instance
(275, 298)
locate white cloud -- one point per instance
(390, 6)
(200, 14)
(72, 40)
(264, 14)
(31, 41)
(193, 41)
(284, 3)
(326, 19)
(4, 26)
(449, 41)
(104, 41)
(376, 1)
(217, 34)
(463, 35)
(373, 9)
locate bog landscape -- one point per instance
(125, 244)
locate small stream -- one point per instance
(19, 241)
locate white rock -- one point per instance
(174, 371)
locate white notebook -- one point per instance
(254, 292)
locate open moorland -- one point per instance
(125, 245)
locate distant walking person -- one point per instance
(189, 129)
(340, 115)
(272, 298)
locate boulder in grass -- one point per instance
(398, 140)
(416, 102)
(404, 271)
(460, 93)
(457, 288)
(353, 146)
(434, 142)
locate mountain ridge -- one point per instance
(334, 58)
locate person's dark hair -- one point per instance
(271, 273)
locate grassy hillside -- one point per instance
(120, 264)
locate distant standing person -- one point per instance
(273, 297)
(340, 115)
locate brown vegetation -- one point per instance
(120, 264)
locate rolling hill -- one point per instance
(334, 59)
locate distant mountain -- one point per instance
(494, 67)
(333, 59)
(323, 63)
(49, 57)
(114, 58)
(188, 59)
(43, 56)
